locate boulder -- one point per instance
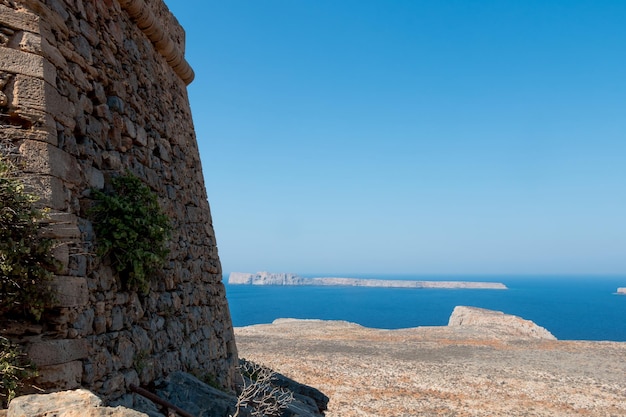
(498, 323)
(312, 397)
(77, 403)
(196, 397)
(201, 400)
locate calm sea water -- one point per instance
(572, 308)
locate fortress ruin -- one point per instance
(89, 90)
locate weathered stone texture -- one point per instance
(78, 403)
(497, 321)
(89, 90)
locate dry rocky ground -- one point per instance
(472, 368)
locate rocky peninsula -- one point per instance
(484, 363)
(267, 278)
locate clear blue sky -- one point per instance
(426, 137)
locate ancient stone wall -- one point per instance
(91, 89)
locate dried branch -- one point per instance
(258, 395)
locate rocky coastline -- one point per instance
(483, 363)
(267, 278)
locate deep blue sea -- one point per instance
(571, 308)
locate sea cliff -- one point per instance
(267, 278)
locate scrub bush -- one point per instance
(131, 229)
(26, 260)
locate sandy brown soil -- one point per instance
(442, 371)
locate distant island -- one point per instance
(267, 278)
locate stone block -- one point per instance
(27, 42)
(114, 385)
(40, 133)
(82, 47)
(25, 63)
(46, 159)
(80, 78)
(50, 190)
(117, 319)
(34, 97)
(141, 339)
(164, 150)
(61, 253)
(83, 325)
(95, 178)
(112, 160)
(27, 103)
(61, 376)
(53, 54)
(141, 136)
(134, 310)
(78, 265)
(131, 378)
(195, 215)
(52, 404)
(78, 403)
(100, 325)
(51, 20)
(89, 32)
(125, 350)
(71, 291)
(126, 144)
(129, 128)
(62, 226)
(20, 20)
(72, 56)
(56, 352)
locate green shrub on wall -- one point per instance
(131, 229)
(26, 261)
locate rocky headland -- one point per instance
(267, 278)
(484, 363)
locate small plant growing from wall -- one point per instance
(131, 229)
(26, 260)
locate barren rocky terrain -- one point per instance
(482, 364)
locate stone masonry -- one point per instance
(91, 89)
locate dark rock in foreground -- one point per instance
(202, 400)
(180, 389)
